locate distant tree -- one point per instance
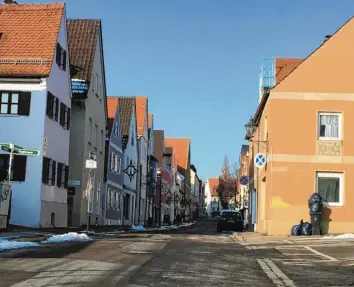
(227, 184)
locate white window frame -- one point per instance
(339, 175)
(112, 160)
(339, 127)
(117, 201)
(116, 158)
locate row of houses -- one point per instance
(303, 128)
(55, 109)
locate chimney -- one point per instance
(326, 38)
(10, 2)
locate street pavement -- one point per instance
(197, 256)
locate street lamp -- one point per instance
(251, 128)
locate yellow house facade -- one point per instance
(305, 128)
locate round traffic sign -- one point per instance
(244, 180)
(260, 160)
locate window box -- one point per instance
(331, 188)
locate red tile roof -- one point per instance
(141, 113)
(150, 119)
(181, 148)
(213, 185)
(112, 103)
(82, 39)
(29, 36)
(284, 66)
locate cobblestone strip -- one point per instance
(274, 273)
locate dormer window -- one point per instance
(61, 57)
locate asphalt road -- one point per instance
(193, 257)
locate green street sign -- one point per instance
(5, 148)
(27, 151)
(8, 145)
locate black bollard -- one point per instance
(315, 206)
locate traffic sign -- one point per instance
(4, 147)
(244, 180)
(91, 163)
(26, 151)
(260, 160)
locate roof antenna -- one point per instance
(10, 2)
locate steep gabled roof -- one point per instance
(29, 34)
(213, 185)
(126, 107)
(284, 66)
(141, 114)
(150, 119)
(181, 148)
(82, 39)
(112, 103)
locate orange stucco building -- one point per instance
(305, 125)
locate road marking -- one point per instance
(288, 241)
(319, 253)
(274, 273)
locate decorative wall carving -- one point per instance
(329, 148)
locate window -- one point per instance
(126, 208)
(15, 103)
(117, 201)
(48, 171)
(52, 106)
(61, 57)
(96, 85)
(113, 200)
(65, 116)
(96, 136)
(108, 198)
(101, 141)
(330, 187)
(63, 175)
(132, 139)
(112, 160)
(90, 131)
(329, 126)
(18, 170)
(116, 129)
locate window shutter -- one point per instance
(54, 170)
(49, 104)
(44, 170)
(64, 59)
(24, 103)
(60, 166)
(57, 58)
(56, 109)
(68, 118)
(112, 161)
(19, 168)
(66, 176)
(62, 114)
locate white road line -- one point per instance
(319, 253)
(288, 241)
(274, 273)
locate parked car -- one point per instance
(230, 220)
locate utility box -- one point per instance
(5, 201)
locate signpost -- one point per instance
(91, 165)
(260, 160)
(17, 150)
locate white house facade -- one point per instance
(35, 114)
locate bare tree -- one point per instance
(227, 184)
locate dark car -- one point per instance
(230, 220)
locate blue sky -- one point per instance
(198, 60)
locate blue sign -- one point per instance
(244, 180)
(79, 87)
(260, 160)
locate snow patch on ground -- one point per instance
(71, 236)
(5, 244)
(138, 227)
(341, 236)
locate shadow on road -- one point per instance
(48, 251)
